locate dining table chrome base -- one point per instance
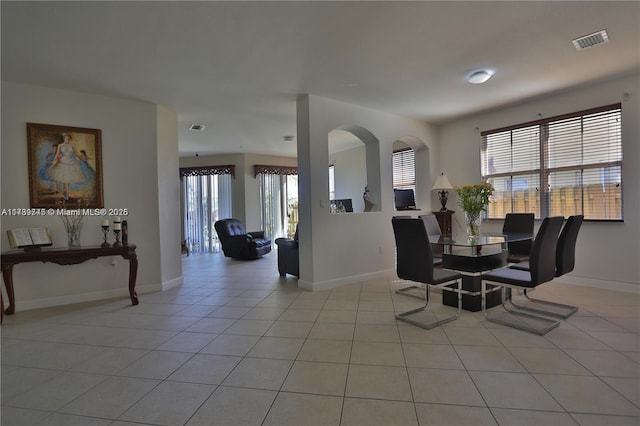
(471, 267)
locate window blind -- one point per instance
(404, 169)
(564, 165)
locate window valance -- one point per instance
(274, 170)
(228, 169)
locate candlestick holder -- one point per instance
(105, 233)
(117, 234)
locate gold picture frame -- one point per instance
(65, 163)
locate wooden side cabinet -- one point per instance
(444, 220)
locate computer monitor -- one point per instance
(404, 199)
(346, 202)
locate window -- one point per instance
(332, 182)
(559, 166)
(404, 169)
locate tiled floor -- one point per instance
(237, 345)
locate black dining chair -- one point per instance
(433, 230)
(415, 263)
(518, 223)
(565, 262)
(542, 269)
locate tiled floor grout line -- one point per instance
(404, 356)
(227, 287)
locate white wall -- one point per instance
(168, 203)
(606, 252)
(350, 175)
(131, 157)
(337, 249)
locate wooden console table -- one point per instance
(65, 256)
(444, 220)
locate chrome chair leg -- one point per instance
(544, 324)
(405, 316)
(564, 311)
(406, 290)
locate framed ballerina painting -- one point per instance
(65, 164)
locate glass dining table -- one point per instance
(471, 256)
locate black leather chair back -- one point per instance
(413, 250)
(433, 229)
(229, 227)
(542, 260)
(566, 250)
(288, 255)
(519, 223)
(431, 224)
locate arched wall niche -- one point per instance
(423, 170)
(355, 154)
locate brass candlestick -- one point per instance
(105, 233)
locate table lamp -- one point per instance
(442, 185)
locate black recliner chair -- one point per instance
(288, 256)
(238, 243)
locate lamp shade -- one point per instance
(442, 182)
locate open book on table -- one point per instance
(29, 237)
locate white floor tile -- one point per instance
(238, 345)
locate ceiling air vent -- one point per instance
(591, 40)
(197, 127)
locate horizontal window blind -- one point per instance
(564, 165)
(404, 169)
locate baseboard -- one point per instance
(330, 284)
(27, 305)
(599, 283)
(172, 283)
(566, 279)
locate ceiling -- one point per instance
(237, 67)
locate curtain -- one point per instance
(272, 203)
(279, 204)
(207, 198)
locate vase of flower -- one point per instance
(73, 234)
(72, 220)
(474, 200)
(473, 222)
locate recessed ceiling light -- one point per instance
(479, 76)
(591, 40)
(197, 127)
